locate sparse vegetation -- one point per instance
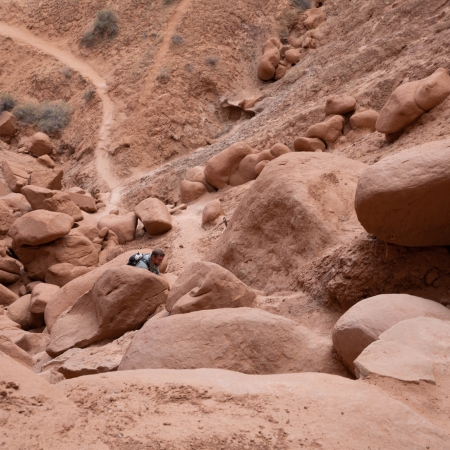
(49, 117)
(212, 60)
(66, 71)
(88, 94)
(7, 102)
(176, 39)
(169, 2)
(302, 4)
(105, 26)
(163, 75)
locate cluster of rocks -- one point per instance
(277, 58)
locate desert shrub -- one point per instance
(7, 102)
(88, 94)
(176, 39)
(66, 71)
(105, 25)
(163, 75)
(169, 2)
(47, 116)
(302, 4)
(212, 60)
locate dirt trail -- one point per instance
(101, 153)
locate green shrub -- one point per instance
(7, 102)
(47, 116)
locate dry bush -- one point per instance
(88, 94)
(105, 26)
(212, 60)
(7, 102)
(176, 39)
(49, 117)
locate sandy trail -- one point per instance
(102, 155)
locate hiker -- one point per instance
(148, 261)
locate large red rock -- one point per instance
(340, 104)
(50, 179)
(16, 176)
(120, 301)
(403, 198)
(9, 270)
(40, 144)
(15, 203)
(123, 226)
(270, 59)
(74, 249)
(328, 130)
(62, 273)
(155, 216)
(30, 341)
(73, 290)
(212, 211)
(8, 124)
(36, 195)
(204, 285)
(220, 168)
(40, 227)
(84, 201)
(242, 339)
(61, 202)
(41, 295)
(363, 323)
(365, 119)
(20, 312)
(321, 411)
(433, 90)
(191, 190)
(7, 296)
(300, 206)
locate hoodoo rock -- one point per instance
(212, 211)
(40, 227)
(155, 216)
(288, 216)
(8, 124)
(364, 322)
(120, 301)
(340, 104)
(269, 60)
(61, 202)
(205, 285)
(50, 179)
(364, 119)
(221, 167)
(124, 226)
(401, 199)
(410, 100)
(40, 144)
(242, 339)
(328, 130)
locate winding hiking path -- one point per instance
(102, 161)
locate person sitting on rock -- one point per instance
(148, 261)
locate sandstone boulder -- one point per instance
(31, 342)
(5, 322)
(340, 104)
(279, 149)
(120, 301)
(84, 201)
(212, 211)
(401, 199)
(62, 273)
(280, 72)
(16, 177)
(16, 203)
(364, 119)
(155, 216)
(40, 144)
(123, 226)
(20, 312)
(9, 270)
(40, 227)
(240, 339)
(304, 144)
(36, 195)
(8, 124)
(3, 189)
(6, 220)
(323, 410)
(221, 167)
(260, 166)
(433, 90)
(60, 202)
(50, 179)
(363, 323)
(205, 285)
(74, 249)
(191, 190)
(292, 56)
(7, 296)
(41, 295)
(328, 130)
(289, 215)
(269, 60)
(46, 161)
(16, 353)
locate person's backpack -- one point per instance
(144, 262)
(134, 259)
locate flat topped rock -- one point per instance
(155, 216)
(40, 227)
